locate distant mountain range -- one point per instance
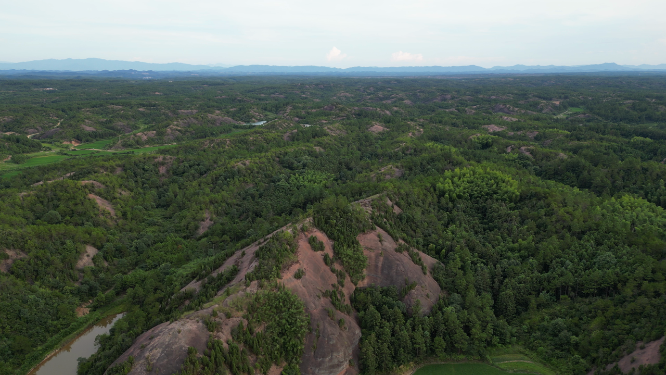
(100, 65)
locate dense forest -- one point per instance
(541, 197)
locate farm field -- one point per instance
(460, 369)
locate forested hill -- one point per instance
(541, 200)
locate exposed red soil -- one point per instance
(164, 163)
(494, 128)
(187, 111)
(164, 347)
(145, 135)
(328, 347)
(647, 356)
(103, 204)
(86, 259)
(123, 127)
(6, 264)
(377, 128)
(220, 120)
(331, 351)
(503, 108)
(523, 150)
(335, 131)
(289, 135)
(390, 172)
(415, 133)
(531, 134)
(83, 310)
(205, 224)
(386, 267)
(73, 142)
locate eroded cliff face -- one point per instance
(162, 349)
(331, 347)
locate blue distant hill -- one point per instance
(100, 65)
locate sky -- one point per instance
(341, 33)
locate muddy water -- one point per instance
(64, 361)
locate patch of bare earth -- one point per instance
(88, 128)
(164, 163)
(524, 150)
(289, 135)
(86, 259)
(469, 111)
(494, 128)
(205, 224)
(222, 119)
(377, 128)
(145, 135)
(328, 348)
(387, 267)
(509, 119)
(503, 108)
(13, 254)
(123, 127)
(415, 133)
(187, 111)
(163, 348)
(83, 310)
(103, 204)
(649, 355)
(334, 130)
(73, 142)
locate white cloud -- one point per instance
(335, 55)
(406, 56)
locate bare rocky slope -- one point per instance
(330, 348)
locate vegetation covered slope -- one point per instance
(542, 197)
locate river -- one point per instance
(64, 361)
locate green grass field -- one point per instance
(512, 360)
(34, 161)
(460, 369)
(526, 367)
(88, 152)
(575, 110)
(99, 145)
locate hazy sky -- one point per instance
(339, 33)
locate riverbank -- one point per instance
(51, 347)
